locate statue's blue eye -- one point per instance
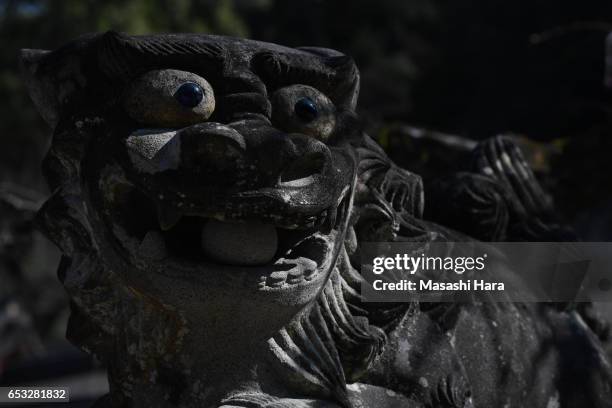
(306, 109)
(189, 95)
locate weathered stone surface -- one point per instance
(241, 320)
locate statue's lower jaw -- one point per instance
(279, 257)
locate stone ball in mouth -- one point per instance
(248, 243)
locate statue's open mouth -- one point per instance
(283, 247)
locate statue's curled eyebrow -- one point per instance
(123, 57)
(335, 75)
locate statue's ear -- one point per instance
(41, 88)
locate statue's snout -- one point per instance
(231, 154)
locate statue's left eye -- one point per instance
(306, 109)
(303, 109)
(189, 94)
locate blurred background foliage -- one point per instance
(472, 68)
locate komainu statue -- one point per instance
(210, 197)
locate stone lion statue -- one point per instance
(210, 197)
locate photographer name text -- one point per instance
(412, 265)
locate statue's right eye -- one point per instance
(189, 95)
(169, 98)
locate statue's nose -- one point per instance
(212, 147)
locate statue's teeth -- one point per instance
(277, 278)
(153, 246)
(295, 275)
(167, 217)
